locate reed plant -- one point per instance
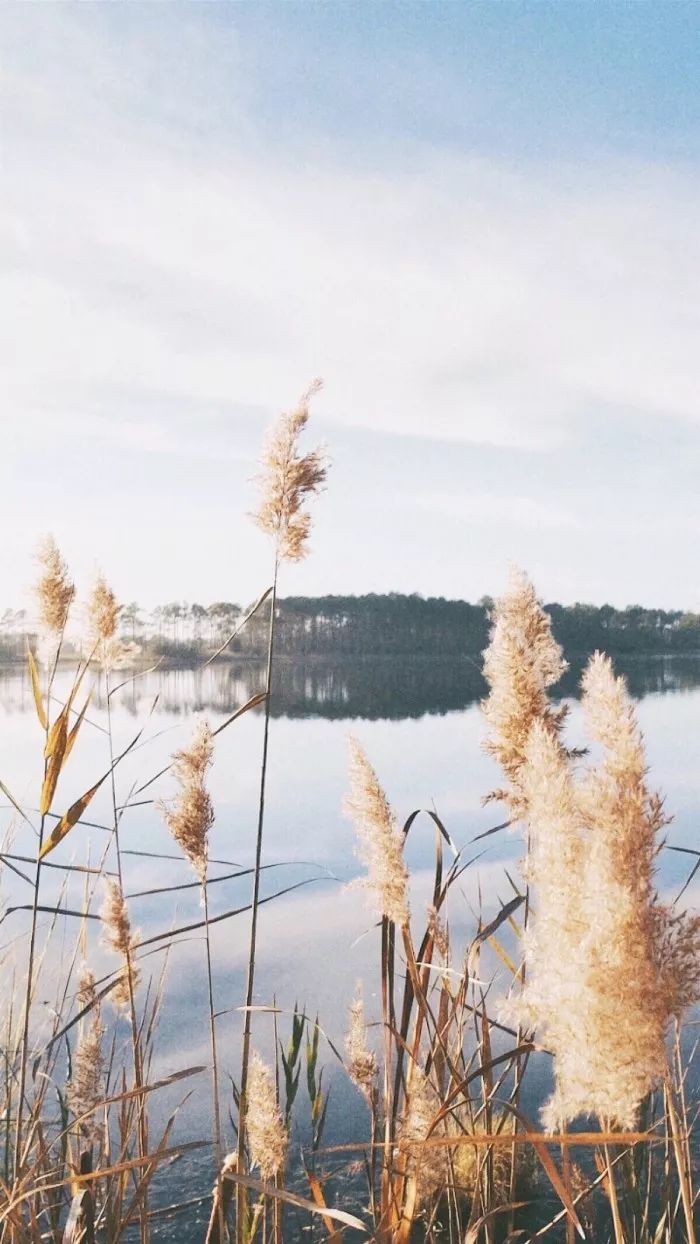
(582, 968)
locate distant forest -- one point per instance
(387, 626)
(395, 625)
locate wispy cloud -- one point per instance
(165, 270)
(486, 302)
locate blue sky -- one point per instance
(478, 222)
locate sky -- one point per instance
(478, 222)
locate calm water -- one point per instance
(421, 727)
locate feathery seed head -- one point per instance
(553, 1001)
(380, 843)
(267, 1134)
(54, 588)
(521, 662)
(103, 610)
(608, 965)
(117, 926)
(103, 618)
(439, 933)
(86, 987)
(84, 1087)
(427, 1163)
(288, 478)
(362, 1063)
(190, 815)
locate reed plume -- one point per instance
(189, 818)
(608, 965)
(428, 1164)
(85, 1085)
(117, 926)
(54, 588)
(361, 1062)
(380, 843)
(267, 1135)
(288, 478)
(103, 612)
(521, 662)
(53, 592)
(553, 999)
(190, 815)
(643, 964)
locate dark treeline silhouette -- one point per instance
(389, 625)
(396, 625)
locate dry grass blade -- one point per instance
(17, 807)
(126, 682)
(489, 929)
(74, 813)
(70, 818)
(36, 689)
(474, 1231)
(251, 703)
(237, 630)
(115, 1168)
(75, 728)
(224, 915)
(291, 1198)
(334, 1237)
(682, 1168)
(550, 1169)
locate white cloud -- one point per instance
(459, 299)
(174, 272)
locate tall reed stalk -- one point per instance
(287, 480)
(189, 817)
(142, 1124)
(54, 593)
(255, 905)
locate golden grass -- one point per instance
(599, 974)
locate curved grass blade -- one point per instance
(36, 689)
(291, 1198)
(261, 600)
(225, 915)
(251, 703)
(74, 813)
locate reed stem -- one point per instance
(135, 1041)
(241, 1199)
(214, 1063)
(24, 1054)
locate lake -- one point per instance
(421, 726)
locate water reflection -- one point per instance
(372, 688)
(421, 726)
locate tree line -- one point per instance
(378, 625)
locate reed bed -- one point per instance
(582, 970)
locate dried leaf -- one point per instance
(36, 689)
(73, 733)
(69, 818)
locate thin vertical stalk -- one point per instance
(32, 938)
(611, 1190)
(214, 1063)
(390, 1106)
(684, 1182)
(520, 1062)
(135, 1040)
(24, 1055)
(241, 1198)
(566, 1176)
